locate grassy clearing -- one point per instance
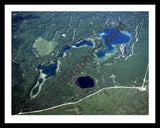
(43, 46)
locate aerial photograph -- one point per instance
(80, 63)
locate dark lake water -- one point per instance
(84, 82)
(40, 81)
(84, 42)
(35, 90)
(64, 49)
(49, 69)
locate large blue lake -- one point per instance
(115, 38)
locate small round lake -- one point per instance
(85, 82)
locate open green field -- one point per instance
(107, 102)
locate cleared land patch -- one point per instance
(44, 47)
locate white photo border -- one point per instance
(79, 119)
